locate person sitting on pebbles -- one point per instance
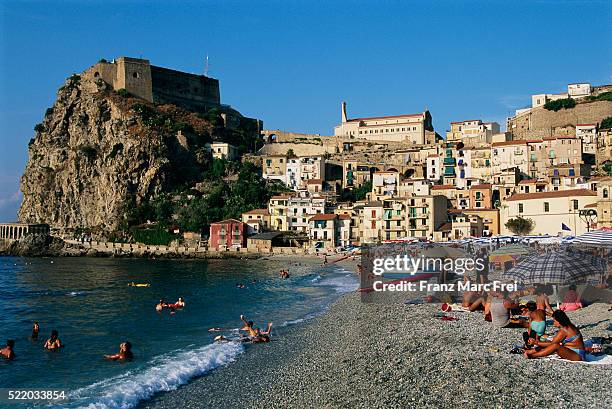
(567, 344)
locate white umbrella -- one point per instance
(595, 238)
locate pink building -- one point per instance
(227, 234)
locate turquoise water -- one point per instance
(89, 303)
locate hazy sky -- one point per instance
(291, 63)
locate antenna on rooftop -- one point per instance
(206, 66)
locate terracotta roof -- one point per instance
(534, 141)
(552, 138)
(283, 196)
(445, 227)
(531, 181)
(442, 187)
(344, 217)
(258, 211)
(433, 155)
(507, 143)
(586, 124)
(546, 195)
(314, 181)
(482, 186)
(479, 209)
(323, 216)
(591, 205)
(382, 117)
(228, 221)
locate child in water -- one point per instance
(124, 354)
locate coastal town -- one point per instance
(378, 179)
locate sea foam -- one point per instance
(166, 373)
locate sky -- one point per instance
(291, 63)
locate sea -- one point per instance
(89, 302)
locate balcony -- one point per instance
(449, 171)
(449, 161)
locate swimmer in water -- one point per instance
(160, 305)
(7, 352)
(124, 354)
(53, 342)
(35, 330)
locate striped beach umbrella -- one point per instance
(558, 267)
(595, 238)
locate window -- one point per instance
(605, 193)
(373, 213)
(546, 207)
(520, 208)
(373, 224)
(575, 204)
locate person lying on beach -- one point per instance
(35, 331)
(53, 342)
(567, 344)
(160, 305)
(255, 334)
(124, 354)
(8, 352)
(262, 336)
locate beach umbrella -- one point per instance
(595, 238)
(558, 267)
(443, 252)
(510, 252)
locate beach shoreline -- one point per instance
(397, 355)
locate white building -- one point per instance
(409, 128)
(550, 211)
(588, 134)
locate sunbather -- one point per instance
(567, 344)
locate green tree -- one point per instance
(606, 123)
(520, 226)
(361, 191)
(565, 103)
(290, 153)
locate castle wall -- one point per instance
(540, 122)
(134, 75)
(188, 90)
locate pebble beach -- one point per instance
(398, 356)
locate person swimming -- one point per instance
(124, 354)
(567, 344)
(53, 342)
(8, 351)
(160, 305)
(35, 331)
(180, 303)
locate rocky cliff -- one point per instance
(99, 152)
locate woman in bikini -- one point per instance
(568, 342)
(53, 342)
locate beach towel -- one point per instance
(458, 308)
(590, 359)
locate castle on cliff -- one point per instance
(157, 84)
